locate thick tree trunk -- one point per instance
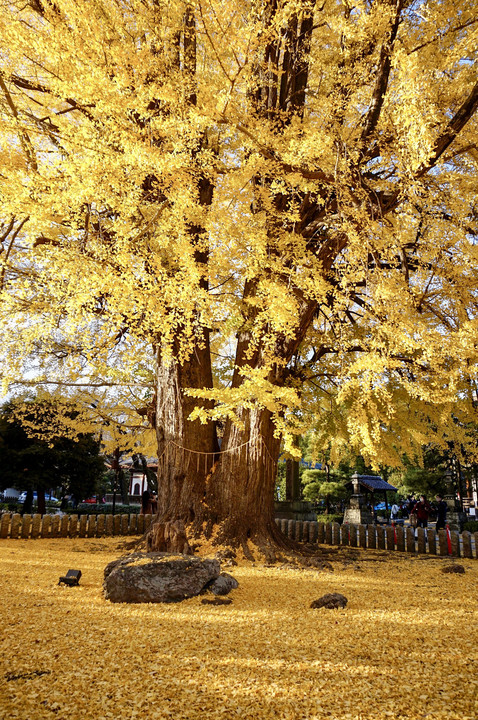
(225, 494)
(186, 450)
(240, 492)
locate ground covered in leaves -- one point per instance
(404, 647)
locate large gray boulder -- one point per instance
(157, 577)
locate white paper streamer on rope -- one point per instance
(172, 449)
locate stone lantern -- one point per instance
(357, 512)
(455, 516)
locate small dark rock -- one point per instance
(222, 585)
(331, 601)
(216, 601)
(453, 569)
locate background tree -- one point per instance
(282, 190)
(317, 488)
(29, 462)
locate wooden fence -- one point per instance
(377, 537)
(55, 526)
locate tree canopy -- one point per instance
(271, 202)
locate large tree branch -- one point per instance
(25, 141)
(10, 248)
(33, 86)
(381, 82)
(456, 124)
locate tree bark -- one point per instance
(186, 450)
(227, 493)
(240, 492)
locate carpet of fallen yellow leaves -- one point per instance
(406, 646)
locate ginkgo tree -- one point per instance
(274, 200)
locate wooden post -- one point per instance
(475, 535)
(148, 519)
(83, 525)
(141, 525)
(432, 542)
(362, 536)
(328, 534)
(305, 531)
(16, 523)
(65, 521)
(335, 533)
(353, 535)
(320, 533)
(73, 526)
(132, 524)
(380, 537)
(26, 526)
(55, 526)
(313, 532)
(109, 525)
(400, 538)
(5, 525)
(372, 536)
(344, 534)
(100, 525)
(91, 527)
(298, 530)
(283, 524)
(467, 547)
(455, 543)
(421, 540)
(45, 526)
(442, 542)
(410, 539)
(36, 526)
(390, 533)
(116, 524)
(124, 524)
(290, 529)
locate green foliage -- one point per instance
(332, 518)
(327, 485)
(471, 526)
(422, 476)
(29, 461)
(280, 489)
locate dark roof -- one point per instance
(374, 482)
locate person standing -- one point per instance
(442, 508)
(394, 510)
(154, 503)
(146, 504)
(422, 511)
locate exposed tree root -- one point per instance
(269, 546)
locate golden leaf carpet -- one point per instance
(404, 647)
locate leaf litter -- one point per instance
(404, 647)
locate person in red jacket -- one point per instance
(422, 510)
